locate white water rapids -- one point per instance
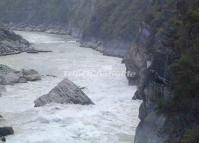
(112, 119)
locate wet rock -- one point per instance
(2, 89)
(22, 80)
(5, 131)
(33, 51)
(148, 131)
(3, 139)
(31, 75)
(137, 96)
(10, 76)
(5, 69)
(66, 92)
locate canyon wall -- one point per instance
(164, 63)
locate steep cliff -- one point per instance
(164, 63)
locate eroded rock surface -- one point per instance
(66, 92)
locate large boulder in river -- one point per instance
(66, 92)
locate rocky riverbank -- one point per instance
(115, 48)
(11, 43)
(9, 76)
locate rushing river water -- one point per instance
(112, 119)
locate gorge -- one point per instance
(157, 40)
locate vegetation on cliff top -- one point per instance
(180, 33)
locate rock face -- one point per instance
(11, 76)
(10, 43)
(165, 115)
(5, 131)
(149, 75)
(66, 92)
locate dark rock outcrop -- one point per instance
(66, 92)
(5, 131)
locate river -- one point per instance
(113, 118)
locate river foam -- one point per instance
(112, 119)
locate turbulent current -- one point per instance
(112, 119)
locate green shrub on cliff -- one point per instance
(182, 107)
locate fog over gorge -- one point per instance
(97, 71)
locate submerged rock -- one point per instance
(2, 89)
(66, 92)
(34, 51)
(5, 131)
